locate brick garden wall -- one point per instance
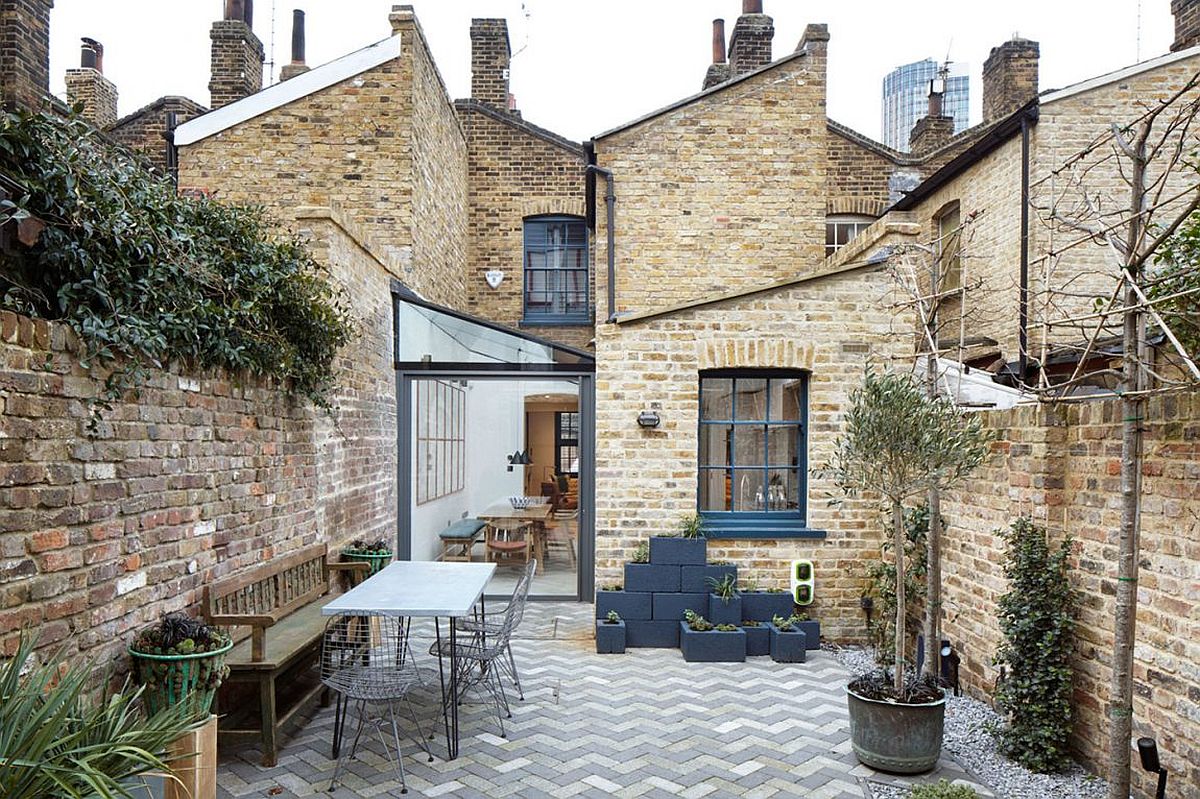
(1061, 465)
(200, 476)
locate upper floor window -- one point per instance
(949, 248)
(840, 229)
(556, 270)
(753, 444)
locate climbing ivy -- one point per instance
(145, 276)
(1037, 618)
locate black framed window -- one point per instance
(753, 446)
(556, 270)
(566, 443)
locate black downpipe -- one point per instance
(610, 203)
(1023, 306)
(172, 151)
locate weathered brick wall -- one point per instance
(1010, 78)
(359, 146)
(200, 476)
(1061, 466)
(97, 93)
(723, 193)
(25, 51)
(515, 170)
(143, 131)
(646, 480)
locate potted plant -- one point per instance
(610, 635)
(788, 642)
(724, 603)
(688, 548)
(701, 641)
(758, 637)
(645, 577)
(61, 739)
(181, 661)
(900, 443)
(376, 554)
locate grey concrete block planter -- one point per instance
(812, 633)
(758, 640)
(670, 607)
(766, 605)
(713, 646)
(627, 604)
(902, 739)
(651, 578)
(653, 634)
(666, 551)
(788, 647)
(721, 611)
(694, 579)
(610, 638)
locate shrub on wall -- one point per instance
(145, 276)
(1037, 619)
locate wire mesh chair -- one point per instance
(366, 660)
(481, 660)
(489, 623)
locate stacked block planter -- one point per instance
(670, 607)
(812, 633)
(758, 640)
(661, 634)
(627, 604)
(610, 638)
(713, 646)
(788, 647)
(766, 605)
(652, 577)
(695, 579)
(721, 611)
(678, 551)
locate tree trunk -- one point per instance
(933, 586)
(898, 543)
(1120, 706)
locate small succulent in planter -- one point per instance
(613, 617)
(724, 587)
(751, 623)
(727, 628)
(374, 553)
(692, 526)
(613, 587)
(177, 634)
(696, 622)
(641, 553)
(783, 625)
(610, 634)
(180, 660)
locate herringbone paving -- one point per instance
(643, 724)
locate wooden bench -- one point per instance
(459, 538)
(274, 614)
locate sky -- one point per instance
(583, 67)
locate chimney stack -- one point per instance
(1010, 78)
(237, 55)
(88, 86)
(25, 52)
(490, 54)
(718, 71)
(750, 44)
(297, 67)
(1187, 24)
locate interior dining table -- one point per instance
(429, 589)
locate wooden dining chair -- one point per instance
(509, 540)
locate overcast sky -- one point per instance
(583, 67)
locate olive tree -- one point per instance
(900, 443)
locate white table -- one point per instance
(422, 589)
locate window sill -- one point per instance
(757, 525)
(555, 322)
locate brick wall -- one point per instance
(144, 130)
(750, 43)
(25, 51)
(722, 193)
(1061, 465)
(97, 93)
(1010, 78)
(515, 170)
(1187, 23)
(200, 476)
(490, 54)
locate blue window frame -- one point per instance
(753, 453)
(556, 271)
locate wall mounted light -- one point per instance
(520, 458)
(1148, 752)
(648, 419)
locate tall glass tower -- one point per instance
(906, 99)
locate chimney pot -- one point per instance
(91, 55)
(718, 41)
(235, 9)
(248, 12)
(752, 6)
(297, 36)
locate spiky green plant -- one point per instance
(692, 526)
(57, 741)
(725, 586)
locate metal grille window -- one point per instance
(753, 443)
(556, 270)
(566, 443)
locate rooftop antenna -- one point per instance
(1137, 46)
(271, 62)
(525, 12)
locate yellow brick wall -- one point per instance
(723, 193)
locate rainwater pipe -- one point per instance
(610, 204)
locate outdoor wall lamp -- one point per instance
(519, 458)
(950, 661)
(1148, 752)
(648, 419)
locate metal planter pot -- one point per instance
(900, 739)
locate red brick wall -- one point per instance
(1062, 467)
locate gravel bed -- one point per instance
(968, 740)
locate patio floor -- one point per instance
(641, 724)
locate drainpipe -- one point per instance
(610, 203)
(1023, 307)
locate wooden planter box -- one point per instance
(713, 646)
